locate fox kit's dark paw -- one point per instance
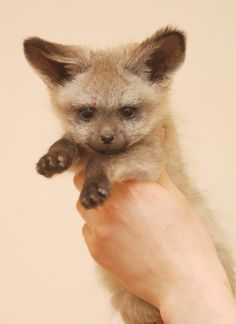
(52, 163)
(94, 193)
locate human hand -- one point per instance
(149, 238)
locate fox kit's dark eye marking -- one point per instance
(86, 113)
(128, 112)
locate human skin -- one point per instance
(149, 238)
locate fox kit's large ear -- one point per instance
(160, 55)
(55, 63)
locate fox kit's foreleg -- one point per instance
(97, 186)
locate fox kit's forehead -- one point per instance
(108, 78)
(106, 84)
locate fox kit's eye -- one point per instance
(87, 113)
(128, 112)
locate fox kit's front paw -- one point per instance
(95, 192)
(53, 162)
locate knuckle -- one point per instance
(101, 234)
(96, 253)
(84, 230)
(78, 205)
(111, 209)
(78, 180)
(75, 179)
(99, 255)
(81, 209)
(115, 214)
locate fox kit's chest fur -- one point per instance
(115, 110)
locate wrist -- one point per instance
(206, 302)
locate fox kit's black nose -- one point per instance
(107, 139)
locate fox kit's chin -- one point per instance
(108, 150)
(117, 100)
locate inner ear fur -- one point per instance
(54, 62)
(160, 55)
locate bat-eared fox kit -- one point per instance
(114, 104)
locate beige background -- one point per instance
(46, 274)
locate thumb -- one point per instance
(166, 182)
(79, 180)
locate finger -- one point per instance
(90, 216)
(166, 182)
(91, 243)
(79, 180)
(87, 234)
(164, 179)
